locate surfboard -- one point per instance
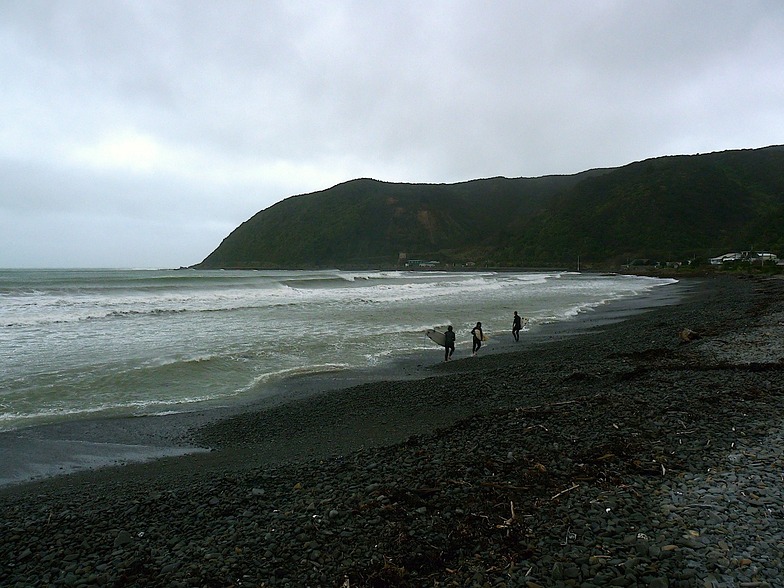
(436, 336)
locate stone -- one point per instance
(122, 538)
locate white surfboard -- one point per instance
(436, 336)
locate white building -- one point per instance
(748, 256)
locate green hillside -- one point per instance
(666, 208)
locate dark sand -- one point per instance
(537, 466)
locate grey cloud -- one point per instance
(285, 97)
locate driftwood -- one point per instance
(546, 405)
(565, 491)
(687, 335)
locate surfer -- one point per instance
(478, 336)
(517, 324)
(449, 343)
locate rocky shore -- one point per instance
(619, 457)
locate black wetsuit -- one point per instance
(449, 345)
(517, 324)
(477, 333)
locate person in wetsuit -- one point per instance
(449, 343)
(478, 336)
(517, 324)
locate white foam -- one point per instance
(246, 330)
(300, 371)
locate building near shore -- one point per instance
(745, 256)
(420, 263)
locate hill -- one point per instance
(673, 207)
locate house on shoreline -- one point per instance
(761, 257)
(420, 263)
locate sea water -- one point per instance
(95, 343)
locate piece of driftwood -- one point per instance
(687, 335)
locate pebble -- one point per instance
(611, 483)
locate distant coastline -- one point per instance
(667, 210)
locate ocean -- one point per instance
(78, 344)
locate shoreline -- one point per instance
(40, 452)
(619, 456)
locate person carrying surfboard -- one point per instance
(449, 343)
(478, 337)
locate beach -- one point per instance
(612, 454)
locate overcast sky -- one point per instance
(141, 133)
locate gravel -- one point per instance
(620, 457)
